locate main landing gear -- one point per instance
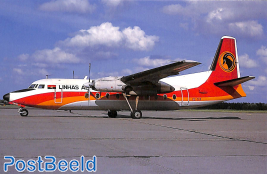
(112, 114)
(135, 114)
(23, 112)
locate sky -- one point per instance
(121, 37)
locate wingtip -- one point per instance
(192, 61)
(185, 61)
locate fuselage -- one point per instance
(192, 90)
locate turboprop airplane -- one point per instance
(148, 90)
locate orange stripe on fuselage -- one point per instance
(50, 104)
(212, 93)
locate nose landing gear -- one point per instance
(23, 112)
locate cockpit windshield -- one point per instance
(41, 86)
(33, 86)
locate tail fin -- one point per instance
(225, 64)
(225, 68)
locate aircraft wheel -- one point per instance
(112, 114)
(136, 114)
(23, 112)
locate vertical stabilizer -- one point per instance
(225, 63)
(225, 73)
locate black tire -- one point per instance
(112, 114)
(137, 114)
(24, 112)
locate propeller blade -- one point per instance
(89, 71)
(89, 85)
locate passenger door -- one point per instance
(185, 96)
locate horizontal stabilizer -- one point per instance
(234, 82)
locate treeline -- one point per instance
(238, 106)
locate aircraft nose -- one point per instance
(6, 97)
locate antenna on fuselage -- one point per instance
(46, 76)
(73, 74)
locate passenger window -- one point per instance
(97, 95)
(107, 95)
(164, 96)
(41, 86)
(174, 97)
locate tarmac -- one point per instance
(186, 142)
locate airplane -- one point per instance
(158, 89)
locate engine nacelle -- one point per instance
(150, 89)
(164, 87)
(109, 84)
(114, 84)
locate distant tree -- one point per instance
(237, 106)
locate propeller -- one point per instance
(89, 85)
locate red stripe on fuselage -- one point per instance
(210, 91)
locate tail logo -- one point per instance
(227, 61)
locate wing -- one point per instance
(154, 75)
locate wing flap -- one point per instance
(154, 75)
(234, 82)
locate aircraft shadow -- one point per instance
(69, 116)
(184, 118)
(144, 117)
(193, 119)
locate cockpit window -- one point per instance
(33, 86)
(41, 86)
